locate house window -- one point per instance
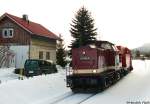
(47, 55)
(5, 33)
(40, 55)
(8, 32)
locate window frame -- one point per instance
(12, 31)
(48, 56)
(41, 55)
(9, 32)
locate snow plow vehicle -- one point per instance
(97, 66)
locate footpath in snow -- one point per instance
(47, 89)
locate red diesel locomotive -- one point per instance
(97, 66)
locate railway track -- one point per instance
(72, 98)
(86, 99)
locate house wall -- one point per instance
(38, 45)
(20, 36)
(20, 44)
(21, 54)
(14, 56)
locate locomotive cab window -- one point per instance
(106, 46)
(114, 48)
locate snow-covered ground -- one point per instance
(132, 89)
(36, 90)
(6, 74)
(49, 89)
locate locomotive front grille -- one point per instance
(82, 82)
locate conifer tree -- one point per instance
(61, 53)
(82, 28)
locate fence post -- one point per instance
(21, 74)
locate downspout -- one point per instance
(30, 47)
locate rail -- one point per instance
(78, 98)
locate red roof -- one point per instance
(32, 27)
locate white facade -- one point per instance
(16, 55)
(21, 54)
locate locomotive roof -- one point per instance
(100, 44)
(102, 41)
(96, 44)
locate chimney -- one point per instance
(25, 17)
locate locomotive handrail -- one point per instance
(69, 71)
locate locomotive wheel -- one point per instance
(122, 73)
(118, 76)
(126, 72)
(105, 83)
(74, 90)
(113, 79)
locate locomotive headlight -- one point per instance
(94, 71)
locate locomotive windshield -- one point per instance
(107, 46)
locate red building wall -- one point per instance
(20, 36)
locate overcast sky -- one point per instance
(123, 22)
